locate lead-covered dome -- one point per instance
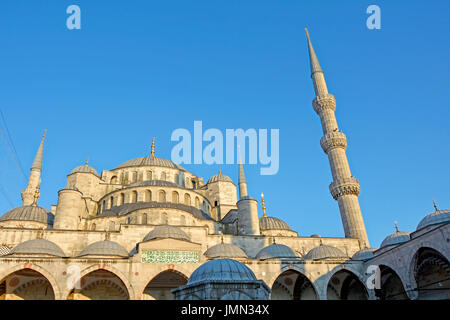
(85, 169)
(104, 248)
(396, 238)
(150, 161)
(220, 177)
(38, 247)
(28, 213)
(225, 250)
(272, 223)
(434, 218)
(164, 232)
(363, 254)
(276, 251)
(325, 252)
(222, 270)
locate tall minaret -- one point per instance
(34, 180)
(242, 182)
(345, 188)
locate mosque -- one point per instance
(151, 230)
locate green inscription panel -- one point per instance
(151, 256)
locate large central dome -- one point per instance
(150, 161)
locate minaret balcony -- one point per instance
(321, 103)
(335, 139)
(346, 186)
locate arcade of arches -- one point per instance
(344, 285)
(159, 288)
(26, 284)
(292, 285)
(100, 285)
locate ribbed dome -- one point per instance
(38, 246)
(150, 161)
(104, 248)
(225, 250)
(164, 232)
(276, 251)
(85, 169)
(395, 239)
(220, 177)
(437, 217)
(29, 213)
(272, 223)
(324, 252)
(364, 254)
(222, 270)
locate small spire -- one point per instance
(153, 147)
(37, 194)
(263, 202)
(87, 162)
(435, 206)
(314, 62)
(37, 163)
(396, 226)
(220, 171)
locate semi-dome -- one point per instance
(85, 169)
(276, 251)
(272, 223)
(150, 161)
(222, 270)
(38, 246)
(396, 238)
(164, 232)
(104, 248)
(225, 250)
(437, 217)
(28, 213)
(325, 252)
(363, 254)
(220, 177)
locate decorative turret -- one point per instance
(34, 180)
(345, 188)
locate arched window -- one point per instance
(122, 199)
(162, 196)
(111, 202)
(114, 180)
(175, 197)
(140, 176)
(93, 226)
(148, 196)
(144, 219)
(163, 176)
(187, 199)
(183, 220)
(134, 178)
(164, 218)
(104, 204)
(126, 178)
(134, 196)
(149, 175)
(197, 202)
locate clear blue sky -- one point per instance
(144, 69)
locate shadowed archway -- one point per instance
(292, 285)
(26, 284)
(159, 288)
(391, 285)
(345, 285)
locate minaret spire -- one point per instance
(345, 188)
(34, 180)
(153, 147)
(242, 181)
(263, 203)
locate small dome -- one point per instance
(364, 254)
(272, 223)
(164, 232)
(276, 251)
(225, 250)
(29, 213)
(38, 246)
(85, 169)
(437, 217)
(151, 162)
(104, 248)
(395, 239)
(315, 236)
(220, 177)
(222, 270)
(324, 252)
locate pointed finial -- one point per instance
(87, 162)
(37, 163)
(220, 171)
(37, 194)
(396, 226)
(315, 66)
(153, 147)
(263, 202)
(435, 206)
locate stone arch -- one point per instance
(133, 196)
(392, 286)
(346, 284)
(187, 199)
(112, 270)
(121, 199)
(304, 279)
(113, 180)
(46, 274)
(148, 196)
(175, 197)
(160, 286)
(161, 196)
